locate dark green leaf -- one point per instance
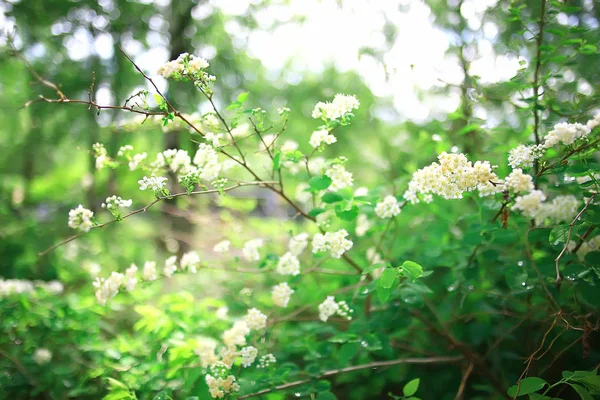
(526, 386)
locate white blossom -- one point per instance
(594, 122)
(255, 319)
(131, 277)
(387, 208)
(155, 183)
(330, 307)
(106, 289)
(149, 272)
(218, 387)
(321, 137)
(281, 294)
(222, 246)
(42, 356)
(298, 243)
(81, 218)
(248, 354)
(236, 336)
(170, 266)
(530, 204)
(525, 156)
(190, 261)
(517, 181)
(206, 351)
(250, 250)
(566, 134)
(266, 360)
(303, 195)
(362, 225)
(335, 242)
(340, 106)
(340, 178)
(288, 264)
(136, 160)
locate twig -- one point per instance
(145, 208)
(463, 382)
(376, 364)
(566, 246)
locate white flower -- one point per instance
(289, 146)
(321, 137)
(340, 178)
(255, 319)
(530, 204)
(214, 138)
(81, 218)
(149, 272)
(248, 354)
(250, 249)
(281, 294)
(283, 110)
(524, 156)
(197, 63)
(190, 261)
(341, 105)
(450, 178)
(594, 122)
(206, 351)
(566, 134)
(387, 208)
(42, 356)
(222, 246)
(266, 360)
(335, 242)
(155, 183)
(561, 209)
(361, 191)
(303, 195)
(288, 265)
(170, 266)
(124, 150)
(298, 243)
(517, 181)
(136, 160)
(169, 68)
(101, 155)
(218, 387)
(108, 288)
(206, 154)
(236, 336)
(131, 278)
(329, 307)
(362, 225)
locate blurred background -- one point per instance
(430, 75)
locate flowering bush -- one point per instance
(450, 274)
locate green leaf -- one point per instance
(345, 338)
(316, 211)
(591, 382)
(276, 161)
(526, 386)
(326, 396)
(347, 215)
(582, 392)
(412, 270)
(387, 278)
(411, 387)
(372, 268)
(117, 384)
(383, 294)
(588, 49)
(242, 97)
(322, 386)
(348, 351)
(331, 197)
(559, 234)
(319, 182)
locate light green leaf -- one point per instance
(411, 387)
(412, 270)
(526, 386)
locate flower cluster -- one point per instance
(288, 264)
(113, 203)
(330, 307)
(321, 137)
(340, 178)
(588, 246)
(449, 179)
(190, 261)
(339, 108)
(248, 355)
(517, 181)
(334, 242)
(102, 159)
(21, 286)
(281, 294)
(81, 218)
(218, 387)
(387, 208)
(158, 184)
(222, 247)
(206, 159)
(298, 243)
(255, 320)
(533, 205)
(187, 66)
(566, 134)
(362, 225)
(42, 356)
(250, 249)
(525, 156)
(266, 360)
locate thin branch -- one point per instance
(463, 382)
(566, 246)
(376, 364)
(145, 208)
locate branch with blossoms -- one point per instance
(329, 187)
